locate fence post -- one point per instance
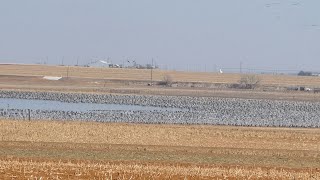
(29, 116)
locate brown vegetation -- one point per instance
(114, 81)
(249, 81)
(43, 169)
(160, 135)
(166, 81)
(89, 149)
(144, 75)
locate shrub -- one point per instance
(249, 82)
(167, 81)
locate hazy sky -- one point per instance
(188, 34)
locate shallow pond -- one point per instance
(8, 103)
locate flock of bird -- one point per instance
(273, 4)
(187, 110)
(278, 4)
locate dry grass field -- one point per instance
(134, 81)
(19, 83)
(144, 75)
(79, 150)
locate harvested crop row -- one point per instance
(56, 170)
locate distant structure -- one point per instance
(97, 63)
(220, 71)
(102, 63)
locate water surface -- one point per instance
(11, 103)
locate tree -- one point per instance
(303, 73)
(167, 81)
(249, 81)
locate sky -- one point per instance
(202, 35)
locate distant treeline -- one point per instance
(305, 73)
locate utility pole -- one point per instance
(29, 116)
(151, 71)
(68, 72)
(78, 61)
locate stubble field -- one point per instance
(100, 150)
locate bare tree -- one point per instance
(249, 81)
(167, 80)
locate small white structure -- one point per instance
(220, 71)
(52, 78)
